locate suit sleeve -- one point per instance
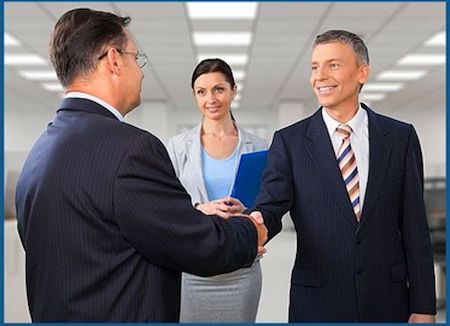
(276, 193)
(155, 214)
(415, 232)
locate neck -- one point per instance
(218, 127)
(98, 88)
(342, 115)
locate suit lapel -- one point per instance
(321, 151)
(194, 153)
(380, 147)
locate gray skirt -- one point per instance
(231, 297)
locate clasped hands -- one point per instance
(228, 207)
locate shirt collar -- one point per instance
(93, 98)
(356, 123)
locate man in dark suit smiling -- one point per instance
(352, 181)
(106, 225)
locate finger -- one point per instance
(222, 214)
(257, 216)
(261, 250)
(234, 201)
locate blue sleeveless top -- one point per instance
(218, 174)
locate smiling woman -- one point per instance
(205, 159)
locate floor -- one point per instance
(276, 265)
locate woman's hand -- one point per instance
(225, 207)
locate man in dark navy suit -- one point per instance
(352, 181)
(106, 225)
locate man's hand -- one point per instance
(420, 318)
(257, 219)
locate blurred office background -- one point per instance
(268, 44)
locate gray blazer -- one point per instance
(185, 152)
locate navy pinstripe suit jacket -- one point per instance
(378, 270)
(108, 228)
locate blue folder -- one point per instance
(248, 177)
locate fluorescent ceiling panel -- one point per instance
(24, 60)
(10, 40)
(222, 10)
(383, 87)
(436, 40)
(231, 59)
(372, 97)
(422, 59)
(38, 74)
(401, 75)
(222, 38)
(52, 87)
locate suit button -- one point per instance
(360, 271)
(358, 241)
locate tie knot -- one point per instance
(344, 131)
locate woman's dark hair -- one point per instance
(214, 65)
(79, 38)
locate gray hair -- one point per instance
(350, 39)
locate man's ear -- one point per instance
(364, 73)
(114, 61)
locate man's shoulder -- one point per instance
(391, 124)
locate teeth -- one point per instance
(325, 88)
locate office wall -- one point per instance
(430, 126)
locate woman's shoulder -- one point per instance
(258, 142)
(181, 138)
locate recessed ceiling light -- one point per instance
(222, 38)
(10, 40)
(239, 75)
(383, 87)
(38, 74)
(401, 75)
(422, 59)
(24, 60)
(53, 87)
(372, 97)
(231, 59)
(436, 40)
(222, 10)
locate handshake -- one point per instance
(229, 207)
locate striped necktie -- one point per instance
(347, 164)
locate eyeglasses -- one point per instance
(141, 58)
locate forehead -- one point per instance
(333, 50)
(210, 78)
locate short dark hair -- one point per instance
(348, 38)
(213, 65)
(78, 39)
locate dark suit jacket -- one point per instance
(108, 228)
(378, 270)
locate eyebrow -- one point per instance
(330, 60)
(215, 86)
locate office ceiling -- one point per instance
(277, 70)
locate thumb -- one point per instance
(257, 216)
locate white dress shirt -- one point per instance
(106, 105)
(359, 140)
